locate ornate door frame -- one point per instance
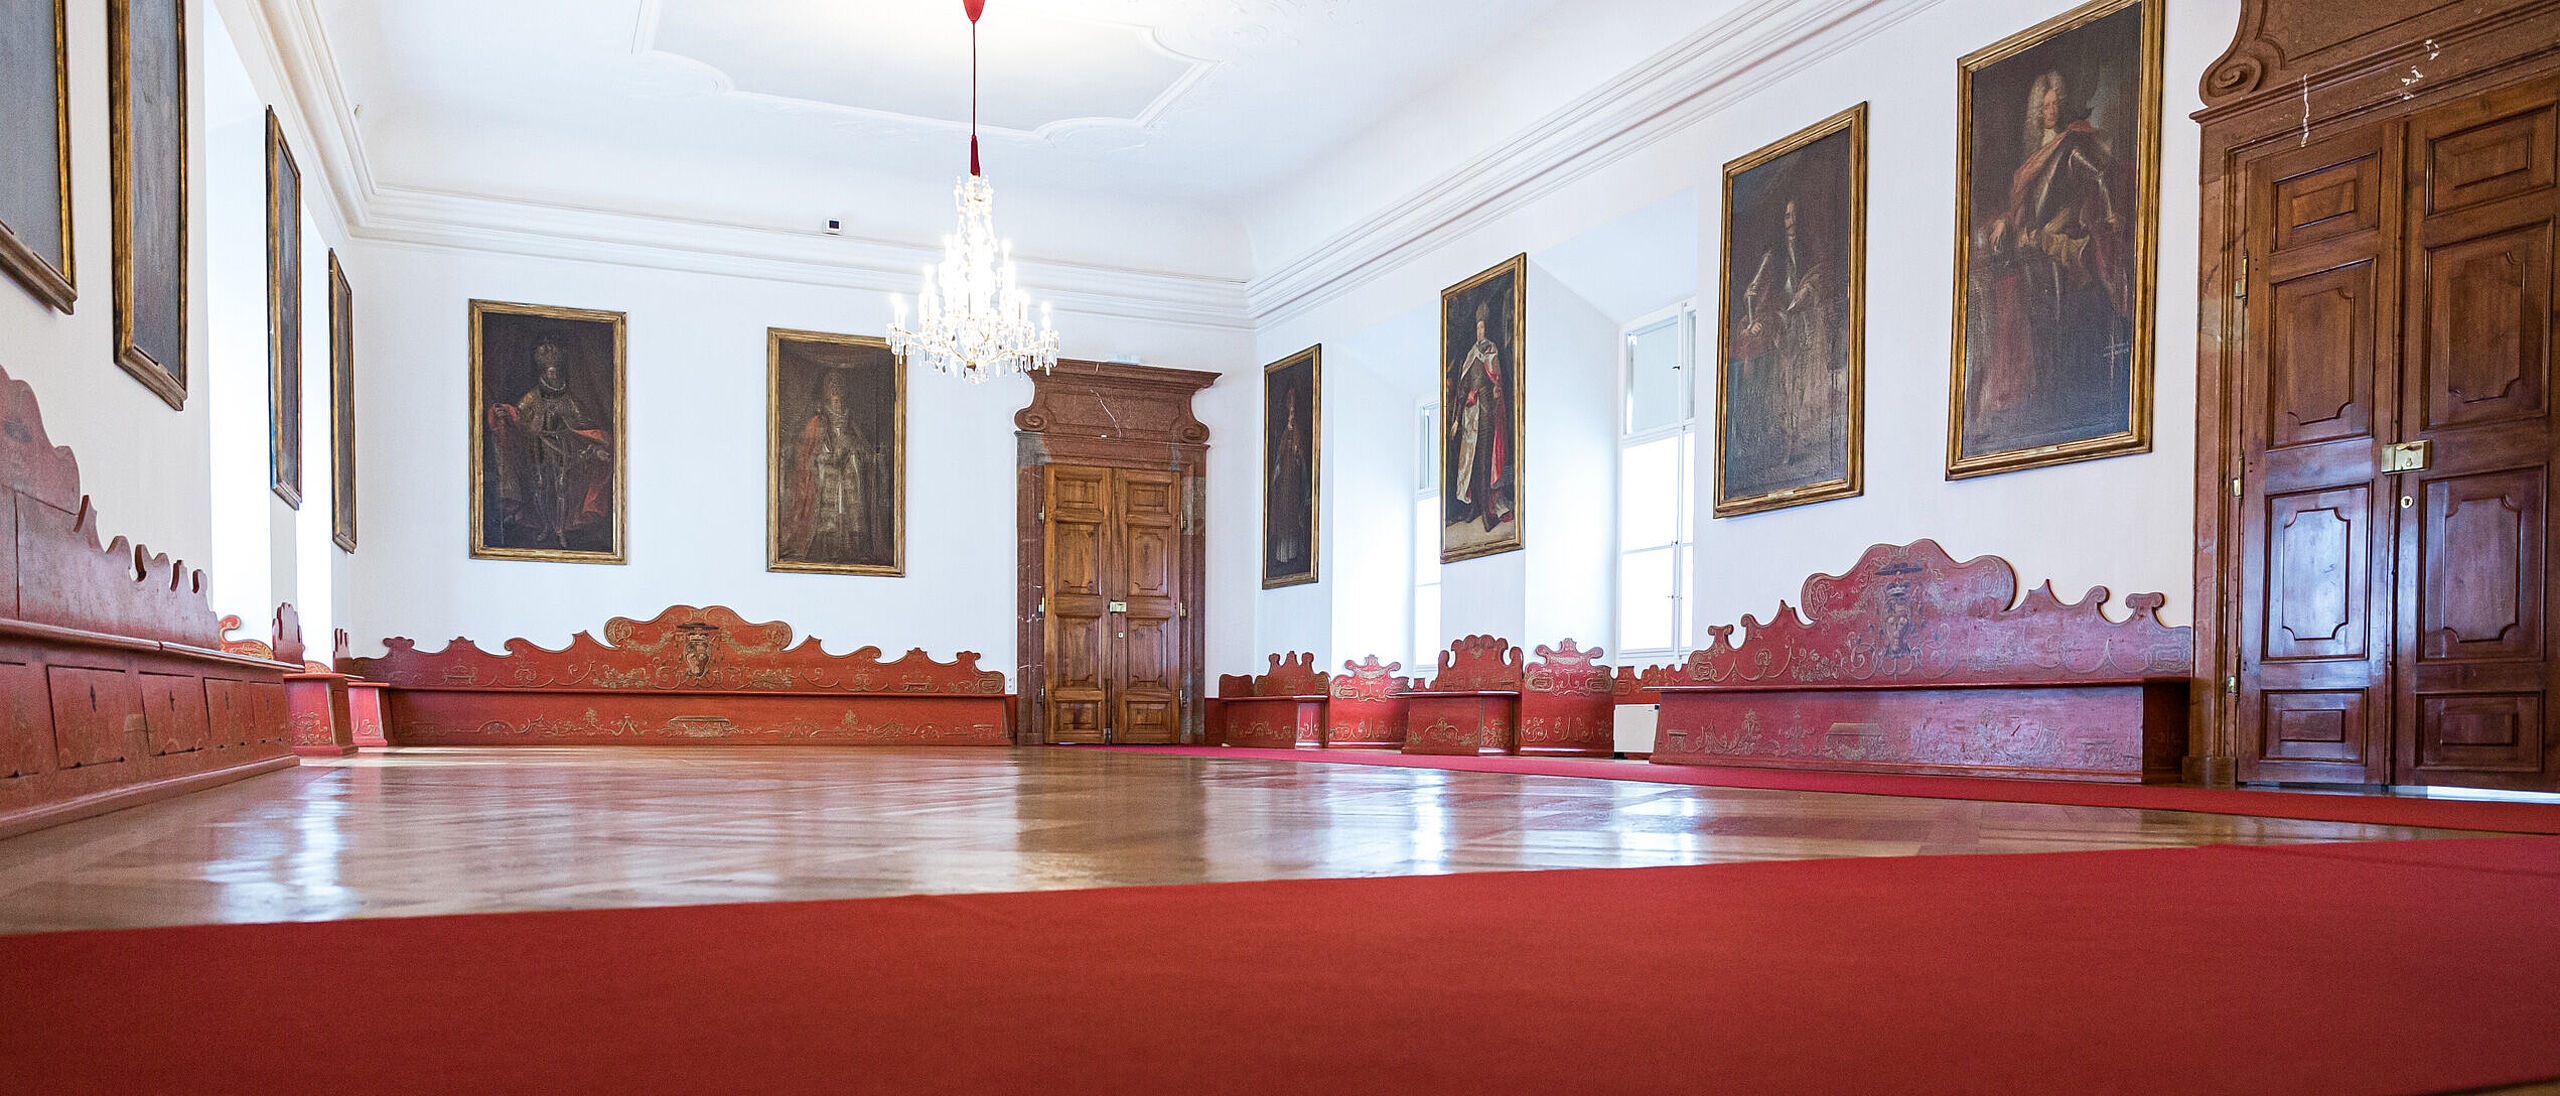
(1111, 415)
(2298, 71)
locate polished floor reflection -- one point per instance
(431, 831)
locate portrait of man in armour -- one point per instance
(1789, 386)
(835, 502)
(2055, 265)
(1483, 347)
(547, 412)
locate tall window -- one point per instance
(1657, 485)
(1425, 654)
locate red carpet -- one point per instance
(2364, 968)
(2382, 810)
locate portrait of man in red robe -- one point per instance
(1480, 389)
(836, 455)
(2055, 220)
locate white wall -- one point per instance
(695, 453)
(144, 464)
(234, 390)
(263, 550)
(2124, 522)
(1367, 568)
(1571, 468)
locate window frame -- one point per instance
(1684, 543)
(1426, 490)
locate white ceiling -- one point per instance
(1197, 102)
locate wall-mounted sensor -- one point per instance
(835, 227)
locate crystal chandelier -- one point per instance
(972, 317)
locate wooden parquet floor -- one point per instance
(437, 831)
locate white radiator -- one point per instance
(1635, 727)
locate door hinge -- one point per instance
(2240, 285)
(2231, 685)
(1182, 610)
(2235, 487)
(1042, 516)
(1041, 609)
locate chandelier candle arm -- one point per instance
(972, 317)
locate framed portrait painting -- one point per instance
(1483, 348)
(2057, 198)
(1292, 410)
(147, 170)
(35, 126)
(342, 407)
(836, 454)
(1791, 348)
(284, 318)
(547, 466)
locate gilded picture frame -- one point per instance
(1796, 346)
(542, 504)
(2035, 394)
(1483, 321)
(342, 407)
(1292, 468)
(284, 317)
(148, 184)
(35, 189)
(828, 399)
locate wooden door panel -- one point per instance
(2488, 309)
(1151, 513)
(2318, 390)
(2480, 546)
(1077, 623)
(2481, 733)
(2319, 571)
(2330, 199)
(1149, 507)
(2474, 659)
(1114, 629)
(2315, 725)
(2320, 361)
(1154, 656)
(2495, 159)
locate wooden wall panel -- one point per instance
(26, 720)
(94, 713)
(108, 651)
(174, 714)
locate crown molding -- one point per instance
(424, 218)
(1703, 74)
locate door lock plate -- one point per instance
(2408, 456)
(1119, 606)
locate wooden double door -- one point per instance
(1114, 604)
(2395, 418)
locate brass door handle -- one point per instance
(2408, 456)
